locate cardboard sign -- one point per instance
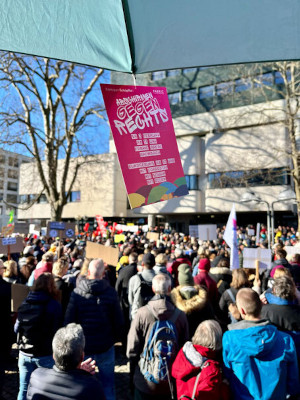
(119, 238)
(203, 232)
(11, 245)
(7, 230)
(141, 123)
(108, 254)
(61, 229)
(152, 236)
(250, 256)
(18, 295)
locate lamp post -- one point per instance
(250, 196)
(285, 195)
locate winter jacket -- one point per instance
(6, 331)
(122, 283)
(53, 384)
(197, 308)
(203, 279)
(94, 305)
(260, 362)
(66, 289)
(134, 289)
(192, 359)
(162, 269)
(38, 342)
(222, 276)
(173, 268)
(140, 329)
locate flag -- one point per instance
(230, 237)
(11, 217)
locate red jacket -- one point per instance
(186, 368)
(173, 268)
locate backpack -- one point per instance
(160, 350)
(145, 291)
(32, 323)
(184, 396)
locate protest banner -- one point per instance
(251, 232)
(291, 250)
(61, 229)
(152, 236)
(119, 238)
(203, 232)
(18, 295)
(252, 255)
(11, 245)
(141, 123)
(127, 228)
(110, 255)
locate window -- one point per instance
(278, 78)
(13, 173)
(206, 92)
(23, 199)
(42, 199)
(2, 185)
(157, 75)
(264, 79)
(2, 159)
(174, 98)
(242, 84)
(189, 70)
(12, 198)
(1, 196)
(31, 198)
(13, 162)
(2, 172)
(224, 88)
(173, 72)
(189, 95)
(192, 182)
(12, 186)
(75, 196)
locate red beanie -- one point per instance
(204, 264)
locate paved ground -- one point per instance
(10, 391)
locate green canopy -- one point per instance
(148, 35)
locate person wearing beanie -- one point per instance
(191, 299)
(180, 259)
(203, 279)
(160, 266)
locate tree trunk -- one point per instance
(56, 212)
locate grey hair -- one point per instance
(178, 252)
(208, 334)
(68, 347)
(161, 284)
(284, 287)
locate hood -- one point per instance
(190, 359)
(160, 269)
(204, 264)
(38, 297)
(195, 303)
(272, 299)
(220, 271)
(161, 307)
(251, 342)
(92, 286)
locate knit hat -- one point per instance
(204, 264)
(185, 277)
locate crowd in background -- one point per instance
(218, 316)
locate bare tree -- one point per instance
(48, 107)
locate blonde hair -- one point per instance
(48, 257)
(239, 278)
(59, 267)
(11, 269)
(281, 271)
(161, 259)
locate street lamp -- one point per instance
(285, 195)
(250, 196)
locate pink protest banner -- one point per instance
(141, 123)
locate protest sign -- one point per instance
(18, 295)
(142, 128)
(203, 232)
(257, 232)
(119, 238)
(152, 236)
(110, 255)
(11, 245)
(61, 229)
(7, 230)
(291, 250)
(127, 228)
(250, 256)
(251, 232)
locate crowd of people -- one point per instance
(191, 326)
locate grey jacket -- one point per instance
(134, 289)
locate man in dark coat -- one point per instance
(71, 377)
(94, 305)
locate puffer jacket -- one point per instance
(192, 359)
(94, 305)
(197, 308)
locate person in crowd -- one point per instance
(37, 250)
(222, 275)
(6, 331)
(267, 356)
(27, 265)
(71, 378)
(83, 270)
(191, 299)
(203, 279)
(72, 275)
(11, 271)
(280, 259)
(197, 368)
(60, 268)
(39, 317)
(140, 285)
(160, 266)
(228, 298)
(94, 305)
(159, 308)
(201, 253)
(295, 269)
(45, 265)
(180, 259)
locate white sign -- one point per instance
(127, 228)
(291, 250)
(250, 256)
(257, 232)
(8, 241)
(251, 232)
(203, 232)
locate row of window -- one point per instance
(225, 88)
(30, 198)
(262, 177)
(10, 198)
(11, 173)
(158, 75)
(12, 186)
(12, 161)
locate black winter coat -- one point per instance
(122, 283)
(94, 305)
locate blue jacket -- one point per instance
(260, 363)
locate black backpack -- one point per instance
(145, 291)
(32, 327)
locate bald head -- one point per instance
(248, 303)
(96, 269)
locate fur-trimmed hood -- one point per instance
(197, 302)
(220, 271)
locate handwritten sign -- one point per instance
(152, 236)
(142, 128)
(11, 245)
(8, 241)
(110, 255)
(250, 256)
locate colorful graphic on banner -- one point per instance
(142, 127)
